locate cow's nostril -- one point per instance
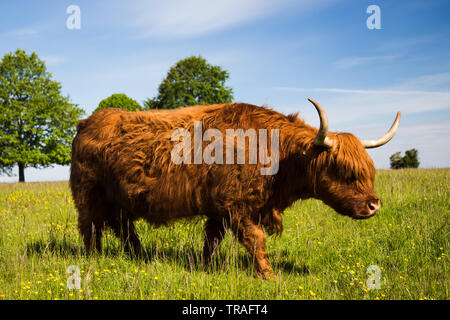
(373, 205)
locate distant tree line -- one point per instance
(409, 160)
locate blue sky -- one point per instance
(277, 52)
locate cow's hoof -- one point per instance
(267, 275)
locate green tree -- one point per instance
(396, 161)
(119, 100)
(37, 123)
(410, 160)
(192, 81)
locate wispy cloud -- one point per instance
(368, 113)
(406, 96)
(428, 81)
(407, 43)
(372, 92)
(357, 61)
(195, 17)
(53, 60)
(22, 32)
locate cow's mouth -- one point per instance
(368, 210)
(363, 216)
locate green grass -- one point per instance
(321, 255)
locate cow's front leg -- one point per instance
(252, 237)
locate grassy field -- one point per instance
(320, 255)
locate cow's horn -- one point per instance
(384, 139)
(321, 138)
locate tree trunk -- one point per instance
(21, 172)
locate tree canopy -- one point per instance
(119, 100)
(37, 123)
(410, 160)
(192, 81)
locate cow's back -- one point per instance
(128, 156)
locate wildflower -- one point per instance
(312, 293)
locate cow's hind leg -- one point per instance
(89, 197)
(91, 222)
(123, 227)
(252, 237)
(214, 232)
(95, 211)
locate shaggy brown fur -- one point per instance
(122, 171)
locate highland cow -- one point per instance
(122, 170)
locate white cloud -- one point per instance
(368, 114)
(180, 18)
(375, 92)
(405, 43)
(427, 81)
(53, 60)
(22, 32)
(357, 61)
(404, 97)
